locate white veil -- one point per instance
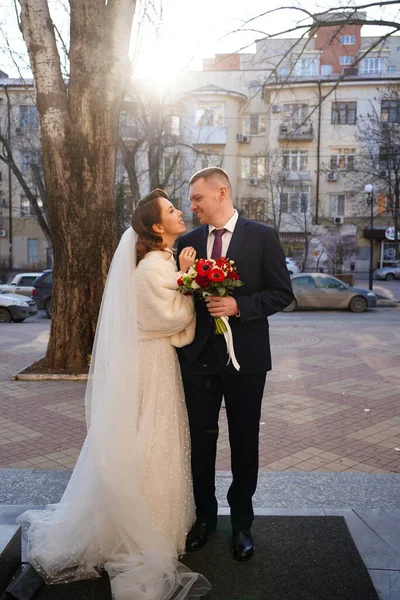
(103, 518)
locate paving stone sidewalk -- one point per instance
(331, 402)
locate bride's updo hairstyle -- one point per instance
(146, 214)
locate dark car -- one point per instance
(42, 291)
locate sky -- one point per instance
(187, 32)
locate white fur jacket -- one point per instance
(162, 310)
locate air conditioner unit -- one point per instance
(3, 233)
(253, 181)
(241, 137)
(276, 108)
(338, 220)
(332, 176)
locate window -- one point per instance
(128, 125)
(253, 208)
(252, 167)
(283, 72)
(346, 60)
(330, 283)
(337, 205)
(304, 281)
(209, 114)
(347, 39)
(385, 204)
(24, 281)
(295, 114)
(392, 68)
(326, 70)
(28, 118)
(374, 65)
(389, 158)
(390, 111)
(211, 160)
(295, 160)
(48, 280)
(295, 200)
(306, 66)
(28, 158)
(33, 251)
(344, 113)
(26, 209)
(173, 124)
(170, 167)
(342, 159)
(254, 124)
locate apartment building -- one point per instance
(293, 125)
(22, 242)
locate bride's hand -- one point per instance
(187, 258)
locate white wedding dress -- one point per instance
(129, 503)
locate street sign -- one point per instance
(389, 233)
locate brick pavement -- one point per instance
(331, 403)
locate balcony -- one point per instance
(208, 135)
(291, 132)
(294, 176)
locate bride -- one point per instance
(129, 504)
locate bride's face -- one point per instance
(171, 218)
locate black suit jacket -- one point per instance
(267, 289)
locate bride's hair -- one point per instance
(146, 214)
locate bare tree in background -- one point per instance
(79, 140)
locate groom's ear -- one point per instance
(223, 192)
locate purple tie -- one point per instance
(217, 247)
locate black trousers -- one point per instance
(206, 381)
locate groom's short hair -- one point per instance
(210, 172)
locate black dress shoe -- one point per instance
(243, 545)
(198, 535)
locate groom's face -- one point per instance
(205, 199)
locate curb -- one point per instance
(20, 376)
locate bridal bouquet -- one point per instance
(209, 277)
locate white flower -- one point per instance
(194, 286)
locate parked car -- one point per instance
(20, 284)
(388, 273)
(16, 308)
(292, 266)
(318, 290)
(42, 291)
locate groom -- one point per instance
(267, 289)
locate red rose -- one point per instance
(221, 262)
(180, 282)
(231, 275)
(216, 274)
(202, 281)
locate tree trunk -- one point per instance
(79, 135)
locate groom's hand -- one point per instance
(222, 307)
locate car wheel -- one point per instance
(5, 316)
(389, 277)
(358, 304)
(47, 307)
(292, 307)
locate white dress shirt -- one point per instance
(226, 238)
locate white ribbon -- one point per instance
(229, 344)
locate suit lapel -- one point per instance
(202, 245)
(239, 234)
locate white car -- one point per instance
(292, 266)
(16, 308)
(20, 284)
(388, 273)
